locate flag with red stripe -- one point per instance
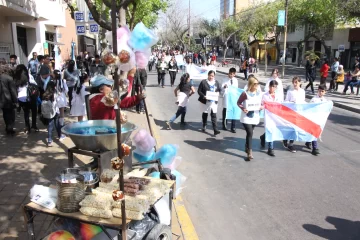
(299, 122)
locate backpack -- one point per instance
(48, 110)
(32, 92)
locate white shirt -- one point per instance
(254, 97)
(227, 81)
(295, 96)
(318, 99)
(22, 91)
(268, 98)
(279, 90)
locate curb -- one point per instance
(186, 225)
(336, 104)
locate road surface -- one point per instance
(293, 196)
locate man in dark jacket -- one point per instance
(8, 97)
(97, 67)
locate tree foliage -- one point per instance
(136, 11)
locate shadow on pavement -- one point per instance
(345, 229)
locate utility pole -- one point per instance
(189, 24)
(285, 38)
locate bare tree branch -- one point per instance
(132, 16)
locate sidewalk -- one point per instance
(348, 102)
(25, 160)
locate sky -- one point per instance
(208, 9)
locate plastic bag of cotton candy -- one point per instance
(180, 180)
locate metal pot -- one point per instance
(94, 142)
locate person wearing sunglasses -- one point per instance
(250, 104)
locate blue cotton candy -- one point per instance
(167, 154)
(143, 158)
(142, 38)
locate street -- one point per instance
(290, 196)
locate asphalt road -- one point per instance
(291, 196)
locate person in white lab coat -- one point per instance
(230, 80)
(280, 88)
(295, 95)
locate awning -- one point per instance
(55, 43)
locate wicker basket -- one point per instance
(70, 194)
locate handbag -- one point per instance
(32, 92)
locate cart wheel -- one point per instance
(160, 232)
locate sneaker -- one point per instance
(216, 132)
(308, 145)
(270, 152)
(315, 152)
(292, 149)
(62, 138)
(35, 129)
(138, 112)
(233, 130)
(168, 123)
(49, 144)
(262, 142)
(285, 144)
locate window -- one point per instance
(291, 28)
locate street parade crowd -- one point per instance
(47, 92)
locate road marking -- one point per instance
(186, 224)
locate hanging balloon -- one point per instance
(108, 57)
(142, 38)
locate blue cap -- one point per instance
(99, 80)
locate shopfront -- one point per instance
(354, 39)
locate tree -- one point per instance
(174, 25)
(228, 28)
(210, 29)
(133, 11)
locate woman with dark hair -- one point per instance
(186, 90)
(312, 75)
(22, 82)
(272, 95)
(209, 85)
(78, 103)
(8, 97)
(173, 69)
(49, 105)
(61, 91)
(71, 75)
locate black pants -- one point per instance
(41, 92)
(249, 128)
(142, 77)
(150, 65)
(225, 122)
(310, 84)
(70, 94)
(289, 142)
(332, 82)
(213, 119)
(161, 78)
(172, 77)
(9, 118)
(27, 107)
(246, 74)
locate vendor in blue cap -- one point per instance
(103, 100)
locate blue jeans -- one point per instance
(54, 122)
(181, 111)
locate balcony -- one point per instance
(51, 11)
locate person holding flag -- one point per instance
(229, 81)
(295, 95)
(272, 95)
(250, 104)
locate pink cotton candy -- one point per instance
(143, 141)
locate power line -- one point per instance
(211, 8)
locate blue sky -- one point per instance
(208, 9)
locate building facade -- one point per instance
(231, 7)
(29, 26)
